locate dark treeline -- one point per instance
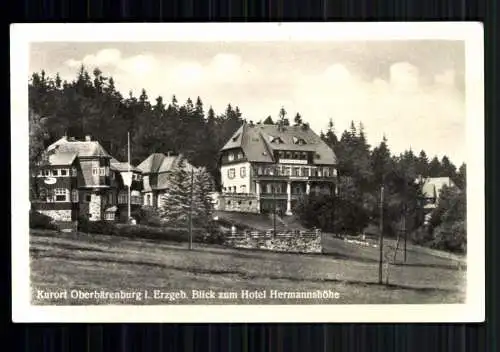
(91, 104)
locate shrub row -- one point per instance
(148, 232)
(41, 221)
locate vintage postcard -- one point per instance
(264, 172)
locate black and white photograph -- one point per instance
(224, 171)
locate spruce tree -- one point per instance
(176, 202)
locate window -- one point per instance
(55, 172)
(88, 197)
(148, 199)
(122, 198)
(102, 171)
(240, 155)
(109, 215)
(288, 155)
(106, 170)
(61, 195)
(64, 172)
(112, 175)
(46, 172)
(295, 171)
(110, 198)
(281, 155)
(47, 194)
(259, 170)
(230, 173)
(230, 157)
(305, 171)
(296, 155)
(243, 172)
(73, 171)
(95, 171)
(74, 196)
(243, 189)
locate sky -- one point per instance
(413, 92)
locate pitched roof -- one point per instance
(122, 166)
(80, 148)
(257, 142)
(158, 165)
(62, 159)
(433, 185)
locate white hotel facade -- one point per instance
(263, 166)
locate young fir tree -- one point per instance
(202, 200)
(176, 202)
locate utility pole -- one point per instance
(191, 211)
(405, 233)
(381, 244)
(274, 202)
(129, 174)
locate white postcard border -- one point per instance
(472, 33)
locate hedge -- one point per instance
(41, 221)
(149, 232)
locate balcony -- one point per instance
(303, 173)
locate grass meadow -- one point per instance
(67, 261)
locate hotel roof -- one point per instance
(259, 142)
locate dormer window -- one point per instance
(299, 141)
(240, 155)
(276, 140)
(230, 157)
(235, 138)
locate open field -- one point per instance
(95, 262)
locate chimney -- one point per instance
(88, 138)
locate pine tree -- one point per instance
(435, 167)
(297, 120)
(447, 168)
(461, 177)
(423, 164)
(282, 119)
(330, 137)
(268, 121)
(37, 157)
(203, 207)
(381, 162)
(176, 202)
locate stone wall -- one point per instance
(95, 207)
(301, 242)
(58, 215)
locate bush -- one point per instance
(421, 236)
(451, 237)
(97, 227)
(147, 215)
(200, 235)
(41, 221)
(169, 233)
